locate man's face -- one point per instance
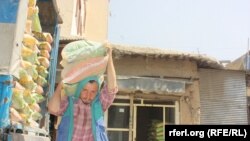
(89, 92)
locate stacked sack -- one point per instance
(28, 91)
(33, 21)
(156, 131)
(81, 59)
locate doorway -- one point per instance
(149, 123)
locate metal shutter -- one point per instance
(223, 97)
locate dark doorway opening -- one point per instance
(146, 121)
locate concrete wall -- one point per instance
(66, 8)
(96, 24)
(190, 105)
(139, 66)
(96, 28)
(189, 102)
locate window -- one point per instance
(118, 121)
(118, 136)
(120, 117)
(148, 118)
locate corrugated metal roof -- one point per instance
(71, 38)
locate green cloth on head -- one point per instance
(96, 107)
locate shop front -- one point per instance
(143, 107)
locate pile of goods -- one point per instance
(28, 91)
(156, 131)
(81, 59)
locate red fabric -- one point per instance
(77, 71)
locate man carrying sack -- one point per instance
(80, 98)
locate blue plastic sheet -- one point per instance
(5, 99)
(8, 11)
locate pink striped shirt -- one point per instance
(82, 114)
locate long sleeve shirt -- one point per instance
(82, 114)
